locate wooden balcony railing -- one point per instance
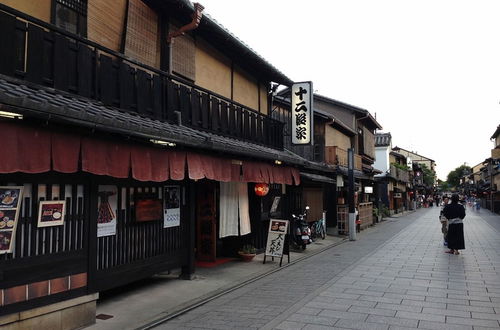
(47, 55)
(399, 174)
(338, 156)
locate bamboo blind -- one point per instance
(105, 22)
(183, 55)
(142, 38)
(369, 142)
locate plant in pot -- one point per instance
(247, 252)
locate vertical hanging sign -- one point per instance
(302, 113)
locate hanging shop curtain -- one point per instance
(228, 204)
(24, 149)
(234, 209)
(35, 150)
(243, 208)
(149, 164)
(105, 158)
(65, 152)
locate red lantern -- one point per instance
(261, 189)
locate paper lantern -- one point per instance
(261, 189)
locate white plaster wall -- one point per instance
(381, 159)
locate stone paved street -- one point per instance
(395, 276)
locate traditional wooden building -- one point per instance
(135, 132)
(337, 127)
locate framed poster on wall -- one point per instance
(171, 206)
(10, 207)
(107, 210)
(51, 213)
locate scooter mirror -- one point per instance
(307, 207)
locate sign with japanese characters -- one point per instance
(302, 113)
(276, 237)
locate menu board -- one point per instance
(10, 205)
(276, 237)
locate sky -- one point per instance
(428, 70)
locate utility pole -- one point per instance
(352, 215)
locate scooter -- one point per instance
(302, 232)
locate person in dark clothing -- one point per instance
(455, 213)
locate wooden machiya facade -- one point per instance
(337, 128)
(122, 148)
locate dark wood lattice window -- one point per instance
(71, 15)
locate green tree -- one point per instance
(428, 175)
(453, 178)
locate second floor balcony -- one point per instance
(43, 54)
(338, 156)
(399, 174)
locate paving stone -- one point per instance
(343, 315)
(327, 306)
(442, 326)
(446, 312)
(313, 319)
(372, 311)
(392, 321)
(420, 316)
(473, 322)
(351, 324)
(288, 325)
(396, 307)
(485, 316)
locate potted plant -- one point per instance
(375, 215)
(247, 252)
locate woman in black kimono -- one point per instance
(455, 213)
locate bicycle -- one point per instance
(318, 229)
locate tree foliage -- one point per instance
(428, 175)
(454, 176)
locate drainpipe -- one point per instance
(198, 8)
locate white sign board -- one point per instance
(276, 237)
(302, 113)
(171, 206)
(409, 162)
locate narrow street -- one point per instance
(395, 276)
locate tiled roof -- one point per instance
(58, 106)
(383, 139)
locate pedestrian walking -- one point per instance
(455, 213)
(444, 221)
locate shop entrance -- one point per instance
(206, 221)
(313, 197)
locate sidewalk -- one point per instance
(165, 295)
